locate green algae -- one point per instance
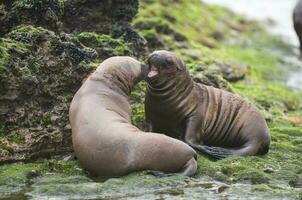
(152, 38)
(105, 45)
(46, 13)
(18, 139)
(276, 175)
(6, 147)
(7, 47)
(16, 179)
(2, 130)
(70, 168)
(137, 100)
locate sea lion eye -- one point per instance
(169, 62)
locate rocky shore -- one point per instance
(48, 47)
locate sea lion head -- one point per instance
(123, 71)
(163, 64)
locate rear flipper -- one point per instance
(193, 127)
(213, 152)
(220, 152)
(189, 169)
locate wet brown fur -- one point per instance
(202, 116)
(105, 141)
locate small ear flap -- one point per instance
(181, 65)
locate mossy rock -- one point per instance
(212, 78)
(154, 40)
(105, 45)
(159, 24)
(137, 100)
(46, 13)
(32, 97)
(14, 177)
(255, 176)
(69, 15)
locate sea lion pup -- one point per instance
(297, 18)
(210, 120)
(105, 141)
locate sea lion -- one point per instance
(210, 120)
(105, 141)
(297, 18)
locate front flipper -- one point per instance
(193, 132)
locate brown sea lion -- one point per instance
(210, 120)
(297, 18)
(105, 141)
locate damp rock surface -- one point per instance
(44, 59)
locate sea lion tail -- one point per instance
(216, 152)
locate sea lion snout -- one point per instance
(163, 64)
(154, 65)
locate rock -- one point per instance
(195, 54)
(44, 62)
(269, 170)
(295, 120)
(70, 15)
(54, 118)
(231, 71)
(254, 176)
(3, 109)
(296, 182)
(154, 40)
(222, 188)
(211, 78)
(45, 13)
(155, 29)
(69, 157)
(200, 68)
(104, 45)
(32, 174)
(36, 88)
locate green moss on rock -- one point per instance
(2, 132)
(154, 40)
(31, 96)
(6, 147)
(137, 100)
(255, 176)
(70, 168)
(205, 42)
(70, 15)
(105, 45)
(46, 13)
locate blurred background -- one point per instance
(278, 14)
(279, 11)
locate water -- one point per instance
(280, 11)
